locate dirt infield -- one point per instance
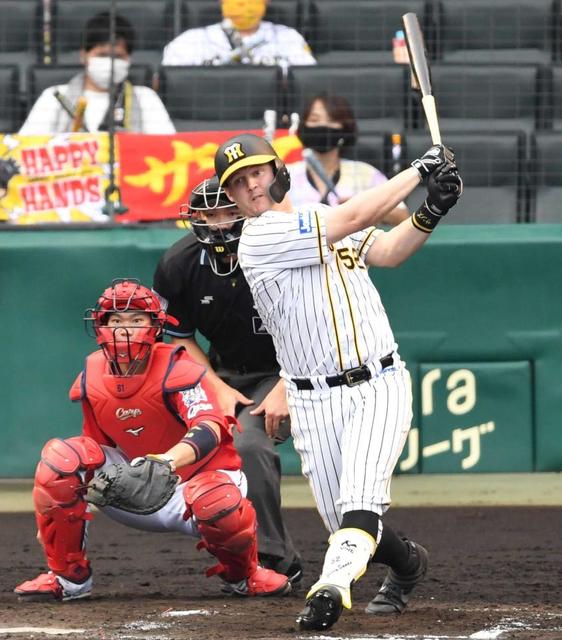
(495, 574)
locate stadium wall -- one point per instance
(477, 314)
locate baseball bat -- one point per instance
(420, 70)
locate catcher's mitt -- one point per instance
(142, 487)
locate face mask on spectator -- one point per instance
(321, 139)
(244, 14)
(99, 70)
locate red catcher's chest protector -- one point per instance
(134, 412)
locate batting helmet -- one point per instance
(248, 150)
(126, 345)
(219, 239)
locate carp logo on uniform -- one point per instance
(234, 152)
(125, 414)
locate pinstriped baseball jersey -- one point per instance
(325, 316)
(316, 300)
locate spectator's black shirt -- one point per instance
(221, 308)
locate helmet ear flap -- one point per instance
(281, 183)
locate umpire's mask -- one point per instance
(220, 236)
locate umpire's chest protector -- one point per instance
(134, 412)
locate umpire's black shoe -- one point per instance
(321, 610)
(395, 591)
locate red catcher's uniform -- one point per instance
(152, 411)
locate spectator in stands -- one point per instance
(241, 38)
(326, 126)
(83, 103)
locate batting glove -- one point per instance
(432, 159)
(444, 189)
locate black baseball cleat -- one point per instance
(321, 610)
(394, 594)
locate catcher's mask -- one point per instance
(219, 239)
(248, 150)
(126, 346)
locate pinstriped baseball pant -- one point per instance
(349, 440)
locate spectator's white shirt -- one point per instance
(43, 117)
(271, 44)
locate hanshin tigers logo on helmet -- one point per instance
(234, 152)
(249, 150)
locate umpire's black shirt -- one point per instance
(221, 308)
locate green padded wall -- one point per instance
(478, 299)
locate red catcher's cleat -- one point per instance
(48, 586)
(262, 583)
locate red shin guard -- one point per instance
(226, 522)
(60, 510)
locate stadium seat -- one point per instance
(10, 112)
(154, 22)
(212, 98)
(378, 94)
(476, 97)
(546, 177)
(369, 148)
(491, 165)
(553, 111)
(200, 13)
(361, 32)
(46, 75)
(496, 31)
(21, 35)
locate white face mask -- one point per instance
(99, 70)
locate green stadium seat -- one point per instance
(154, 22)
(215, 98)
(492, 167)
(497, 31)
(379, 95)
(369, 148)
(495, 97)
(546, 177)
(10, 111)
(21, 35)
(361, 31)
(42, 76)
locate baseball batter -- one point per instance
(348, 390)
(146, 406)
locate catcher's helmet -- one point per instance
(126, 346)
(248, 150)
(219, 239)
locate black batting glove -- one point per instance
(432, 159)
(444, 188)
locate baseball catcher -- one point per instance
(155, 453)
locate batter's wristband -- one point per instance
(202, 440)
(424, 219)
